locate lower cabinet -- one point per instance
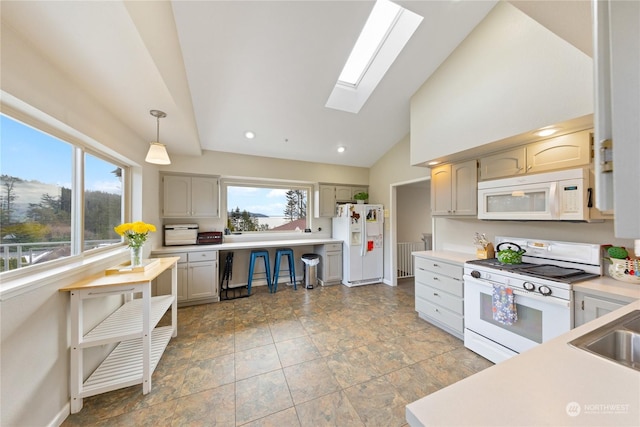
(439, 294)
(330, 267)
(197, 277)
(589, 307)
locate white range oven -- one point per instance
(538, 295)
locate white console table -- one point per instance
(132, 327)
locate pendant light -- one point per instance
(157, 152)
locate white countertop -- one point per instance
(609, 288)
(457, 257)
(537, 387)
(247, 245)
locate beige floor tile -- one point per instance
(414, 381)
(207, 408)
(297, 350)
(286, 329)
(260, 396)
(352, 367)
(286, 418)
(252, 336)
(209, 373)
(310, 380)
(331, 410)
(256, 361)
(378, 403)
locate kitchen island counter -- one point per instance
(550, 385)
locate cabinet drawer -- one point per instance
(182, 255)
(203, 256)
(439, 267)
(438, 297)
(438, 281)
(333, 247)
(440, 314)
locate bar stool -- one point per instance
(267, 271)
(280, 253)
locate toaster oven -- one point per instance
(180, 234)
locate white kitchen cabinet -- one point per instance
(197, 277)
(327, 195)
(131, 329)
(503, 164)
(617, 108)
(454, 189)
(439, 293)
(589, 307)
(186, 196)
(561, 152)
(330, 267)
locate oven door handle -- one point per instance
(541, 298)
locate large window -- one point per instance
(44, 215)
(266, 208)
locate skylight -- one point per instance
(381, 21)
(386, 32)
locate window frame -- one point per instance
(259, 183)
(81, 145)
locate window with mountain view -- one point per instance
(253, 208)
(38, 198)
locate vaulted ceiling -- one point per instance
(220, 68)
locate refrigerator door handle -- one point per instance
(363, 236)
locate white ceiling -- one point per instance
(219, 68)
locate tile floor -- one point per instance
(329, 356)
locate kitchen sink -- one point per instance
(618, 341)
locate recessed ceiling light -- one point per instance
(249, 135)
(432, 163)
(341, 149)
(546, 132)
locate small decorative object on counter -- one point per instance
(135, 234)
(484, 248)
(623, 267)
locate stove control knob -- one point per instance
(529, 286)
(544, 290)
(475, 274)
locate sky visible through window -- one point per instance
(266, 201)
(26, 153)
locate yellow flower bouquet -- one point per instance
(135, 233)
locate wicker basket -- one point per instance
(625, 270)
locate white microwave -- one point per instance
(553, 196)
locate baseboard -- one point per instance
(388, 282)
(61, 416)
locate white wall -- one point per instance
(509, 76)
(392, 168)
(413, 211)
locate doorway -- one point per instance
(410, 224)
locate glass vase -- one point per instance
(136, 256)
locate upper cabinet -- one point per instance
(562, 152)
(566, 151)
(187, 196)
(454, 189)
(327, 195)
(502, 164)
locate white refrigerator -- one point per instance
(360, 227)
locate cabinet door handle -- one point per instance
(435, 294)
(435, 278)
(435, 265)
